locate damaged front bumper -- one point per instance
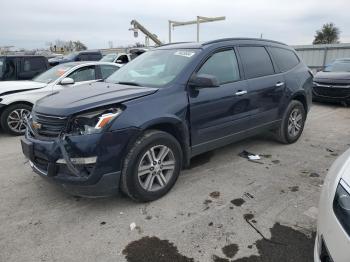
(88, 165)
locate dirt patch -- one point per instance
(238, 202)
(276, 161)
(230, 250)
(153, 249)
(207, 202)
(248, 216)
(215, 194)
(294, 188)
(295, 246)
(314, 174)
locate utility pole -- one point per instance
(198, 21)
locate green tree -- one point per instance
(329, 34)
(79, 46)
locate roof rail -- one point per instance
(232, 39)
(176, 43)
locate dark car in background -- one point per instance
(333, 83)
(136, 131)
(88, 55)
(21, 67)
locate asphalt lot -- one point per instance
(224, 208)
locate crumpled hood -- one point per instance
(72, 100)
(11, 87)
(333, 77)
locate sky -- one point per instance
(32, 24)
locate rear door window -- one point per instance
(86, 73)
(285, 59)
(223, 65)
(256, 61)
(84, 57)
(107, 70)
(31, 64)
(95, 56)
(123, 58)
(10, 69)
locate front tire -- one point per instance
(292, 124)
(12, 119)
(151, 166)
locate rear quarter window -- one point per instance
(34, 64)
(256, 61)
(285, 59)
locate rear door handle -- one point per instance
(241, 93)
(279, 84)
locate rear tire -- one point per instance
(151, 166)
(292, 124)
(12, 121)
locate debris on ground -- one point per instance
(215, 194)
(250, 156)
(248, 195)
(103, 223)
(132, 226)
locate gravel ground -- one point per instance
(224, 208)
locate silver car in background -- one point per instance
(333, 227)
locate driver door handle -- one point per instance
(241, 92)
(279, 84)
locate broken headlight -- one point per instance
(341, 205)
(93, 122)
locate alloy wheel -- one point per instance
(295, 122)
(156, 168)
(15, 120)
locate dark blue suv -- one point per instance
(136, 131)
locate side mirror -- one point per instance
(119, 61)
(67, 81)
(204, 81)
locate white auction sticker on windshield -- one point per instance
(184, 53)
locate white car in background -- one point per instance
(333, 227)
(18, 97)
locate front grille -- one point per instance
(335, 92)
(47, 125)
(333, 84)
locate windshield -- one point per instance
(53, 73)
(338, 66)
(109, 58)
(154, 68)
(2, 60)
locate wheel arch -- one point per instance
(301, 97)
(15, 103)
(176, 128)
